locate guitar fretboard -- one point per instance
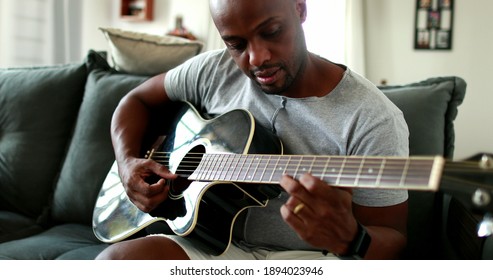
(420, 173)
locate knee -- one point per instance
(113, 252)
(146, 248)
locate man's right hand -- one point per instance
(145, 182)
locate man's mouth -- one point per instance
(267, 76)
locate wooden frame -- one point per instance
(137, 10)
(434, 24)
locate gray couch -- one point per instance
(55, 153)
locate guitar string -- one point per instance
(454, 165)
(460, 165)
(185, 169)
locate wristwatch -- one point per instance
(357, 247)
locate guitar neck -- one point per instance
(414, 173)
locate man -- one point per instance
(313, 105)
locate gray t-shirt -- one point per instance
(354, 119)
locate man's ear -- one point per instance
(301, 9)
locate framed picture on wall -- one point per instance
(434, 24)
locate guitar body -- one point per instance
(202, 211)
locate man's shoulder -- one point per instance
(364, 89)
(209, 61)
(213, 55)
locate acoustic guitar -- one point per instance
(230, 163)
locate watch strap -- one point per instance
(358, 247)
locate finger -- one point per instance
(151, 173)
(291, 219)
(301, 208)
(146, 186)
(297, 190)
(318, 188)
(291, 186)
(146, 202)
(161, 170)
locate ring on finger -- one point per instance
(298, 208)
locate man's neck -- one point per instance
(317, 78)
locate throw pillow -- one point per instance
(145, 54)
(430, 108)
(38, 108)
(90, 154)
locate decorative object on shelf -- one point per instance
(434, 22)
(180, 30)
(137, 10)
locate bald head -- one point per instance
(243, 8)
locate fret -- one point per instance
(360, 168)
(295, 173)
(223, 165)
(284, 163)
(305, 165)
(392, 172)
(369, 172)
(257, 160)
(275, 169)
(380, 171)
(338, 181)
(404, 173)
(232, 164)
(349, 174)
(246, 176)
(239, 169)
(318, 167)
(220, 167)
(333, 169)
(206, 167)
(264, 165)
(310, 169)
(212, 167)
(324, 171)
(288, 162)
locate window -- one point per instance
(325, 28)
(39, 32)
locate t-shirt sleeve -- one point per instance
(191, 81)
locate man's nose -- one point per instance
(258, 54)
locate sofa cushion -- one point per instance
(68, 241)
(90, 154)
(146, 54)
(38, 107)
(15, 226)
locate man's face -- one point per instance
(264, 38)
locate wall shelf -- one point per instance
(137, 10)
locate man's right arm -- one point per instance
(128, 128)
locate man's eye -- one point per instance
(272, 33)
(237, 46)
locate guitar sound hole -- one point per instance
(192, 160)
(186, 167)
